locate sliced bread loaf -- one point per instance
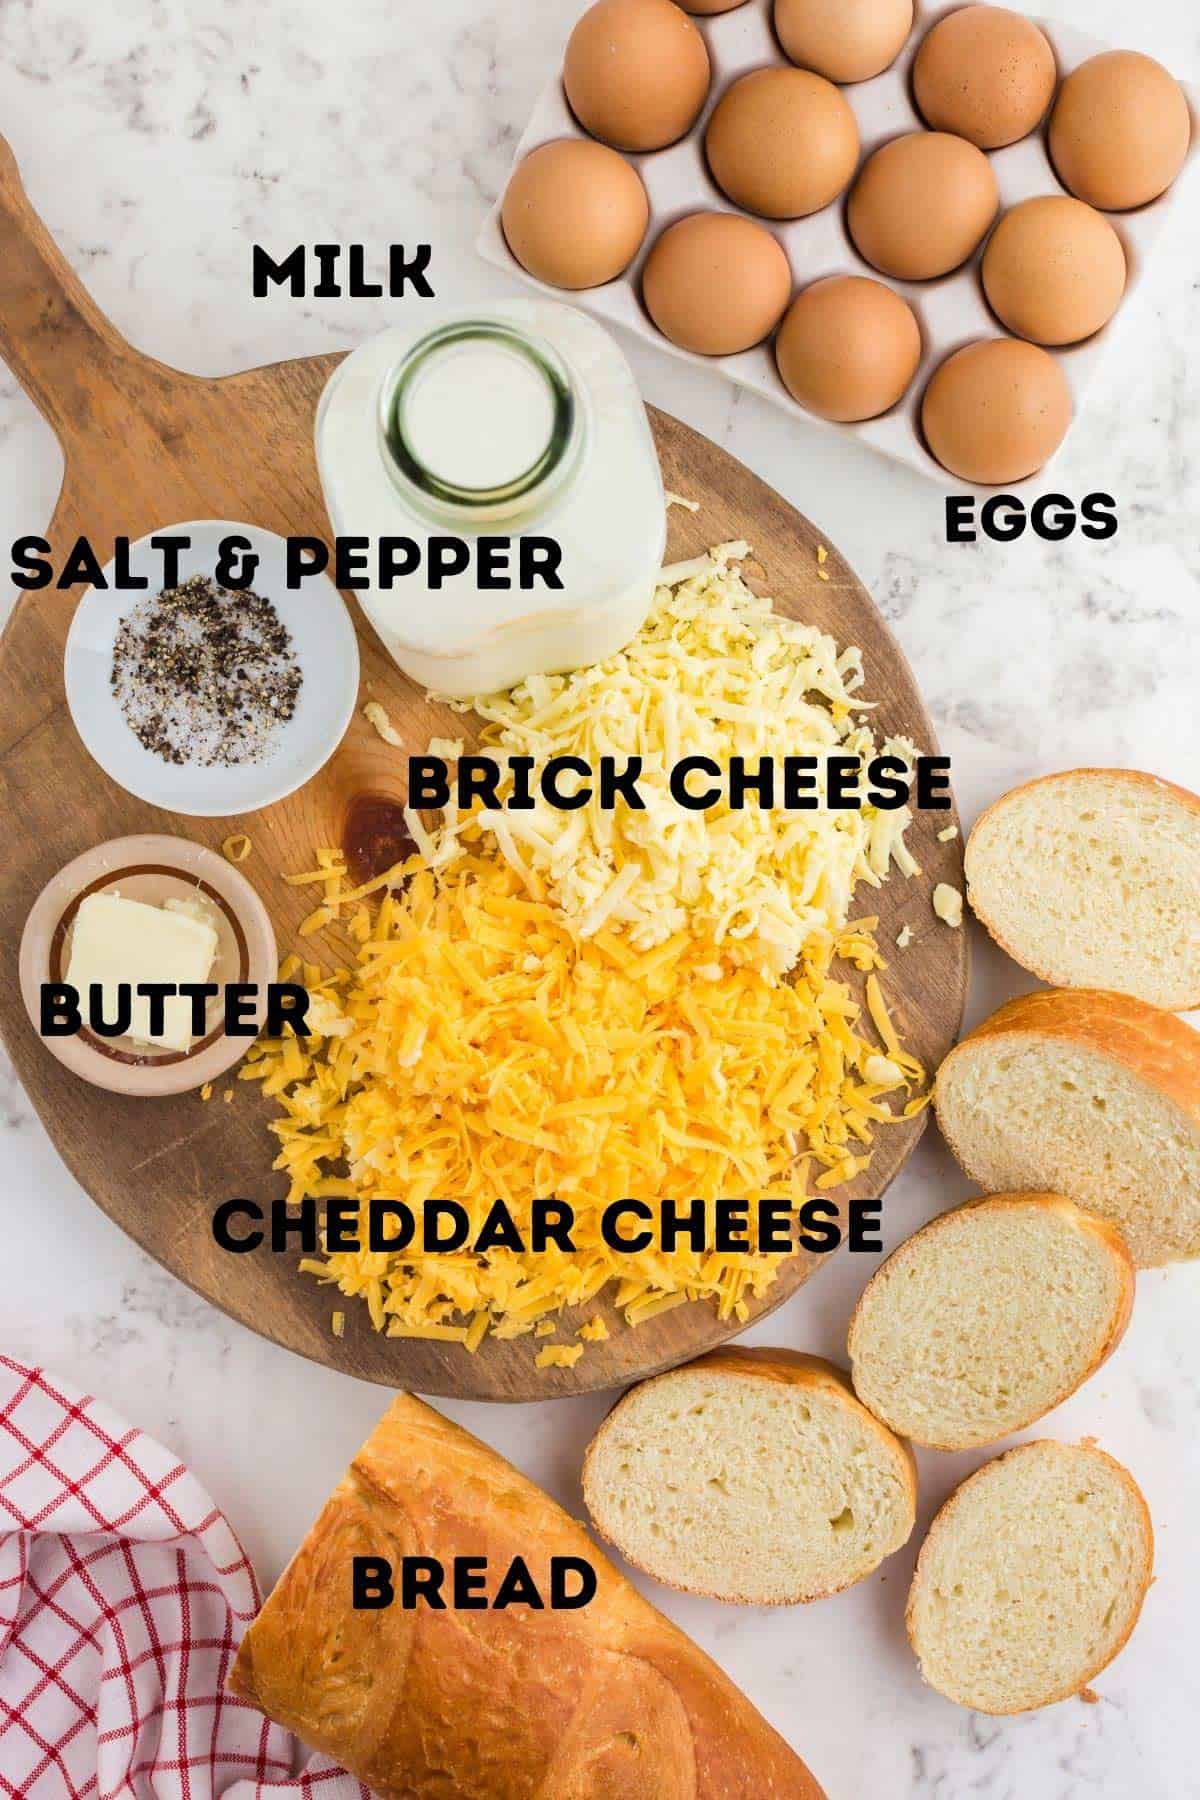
(1092, 879)
(1095, 1096)
(988, 1317)
(750, 1475)
(1031, 1578)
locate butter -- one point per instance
(115, 940)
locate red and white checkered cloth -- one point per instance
(123, 1597)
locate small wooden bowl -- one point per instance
(152, 869)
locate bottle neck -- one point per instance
(481, 423)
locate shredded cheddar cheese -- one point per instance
(481, 1049)
(714, 672)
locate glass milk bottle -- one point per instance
(519, 421)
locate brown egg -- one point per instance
(1054, 270)
(921, 204)
(848, 348)
(706, 8)
(846, 40)
(636, 73)
(996, 411)
(782, 142)
(1120, 130)
(986, 73)
(716, 283)
(575, 213)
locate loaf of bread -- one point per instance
(1092, 879)
(1031, 1579)
(608, 1702)
(988, 1317)
(751, 1476)
(1091, 1095)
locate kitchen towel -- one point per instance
(123, 1597)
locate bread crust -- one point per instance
(993, 815)
(1155, 1047)
(611, 1700)
(944, 1518)
(791, 1368)
(1103, 1230)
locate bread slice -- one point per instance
(1031, 1578)
(1095, 1096)
(1092, 879)
(752, 1476)
(988, 1317)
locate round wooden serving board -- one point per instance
(146, 447)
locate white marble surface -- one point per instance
(159, 138)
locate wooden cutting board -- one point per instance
(146, 447)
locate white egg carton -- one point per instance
(952, 310)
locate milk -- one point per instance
(520, 421)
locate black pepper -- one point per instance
(205, 675)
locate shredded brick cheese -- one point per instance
(714, 672)
(948, 904)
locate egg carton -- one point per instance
(952, 310)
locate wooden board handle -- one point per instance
(53, 336)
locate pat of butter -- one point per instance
(116, 940)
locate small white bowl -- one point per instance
(324, 644)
